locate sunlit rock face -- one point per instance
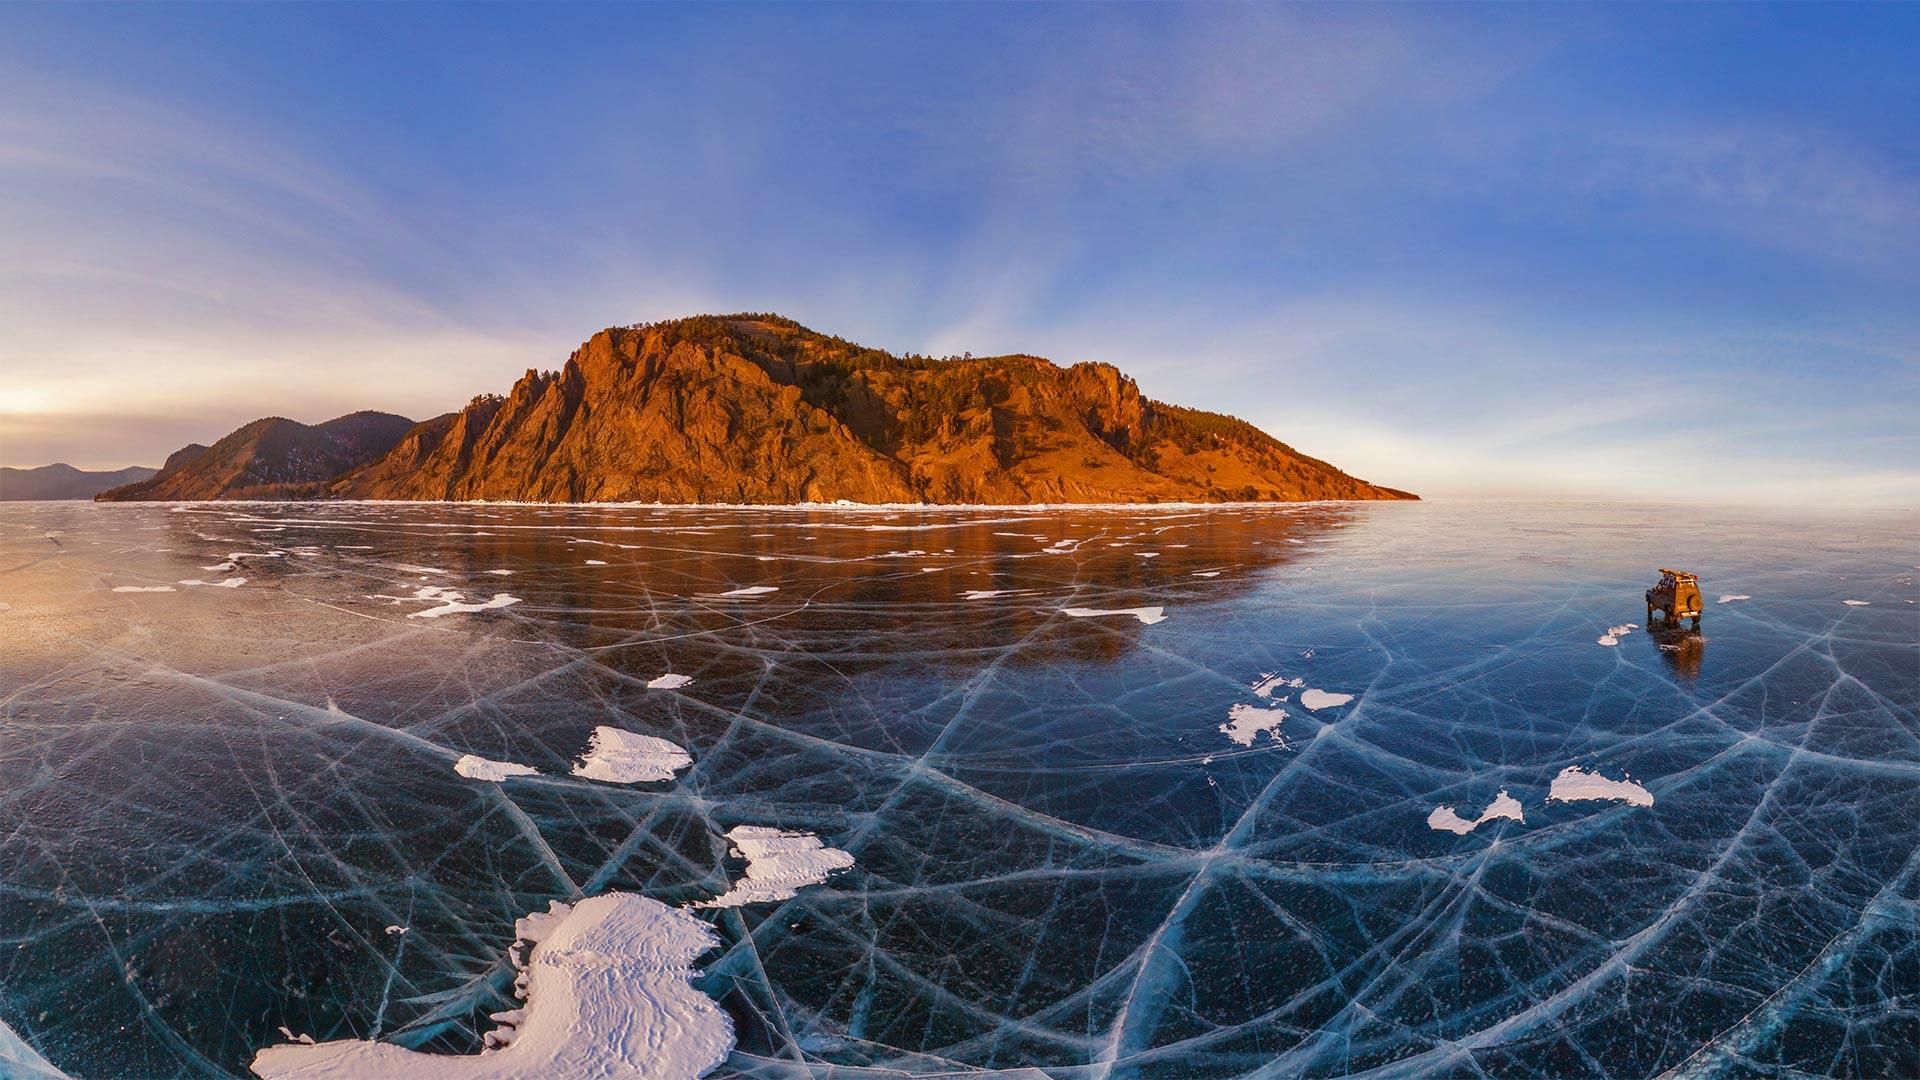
(759, 409)
(936, 823)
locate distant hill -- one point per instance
(63, 481)
(271, 458)
(759, 409)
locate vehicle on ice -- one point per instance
(1677, 597)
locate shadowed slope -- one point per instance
(271, 458)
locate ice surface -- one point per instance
(19, 1061)
(628, 757)
(607, 995)
(211, 812)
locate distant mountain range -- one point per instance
(63, 481)
(759, 409)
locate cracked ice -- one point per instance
(1045, 853)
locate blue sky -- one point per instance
(1471, 251)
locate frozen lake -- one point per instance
(1155, 792)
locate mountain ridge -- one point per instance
(271, 458)
(756, 408)
(62, 481)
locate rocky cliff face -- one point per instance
(758, 409)
(271, 458)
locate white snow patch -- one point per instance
(1575, 784)
(1245, 722)
(625, 757)
(1857, 603)
(669, 681)
(222, 566)
(143, 588)
(1147, 615)
(1206, 573)
(1503, 806)
(228, 583)
(983, 594)
(1270, 681)
(454, 603)
(596, 562)
(1729, 598)
(397, 930)
(501, 573)
(1615, 633)
(608, 991)
(750, 590)
(1320, 699)
(475, 767)
(779, 865)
